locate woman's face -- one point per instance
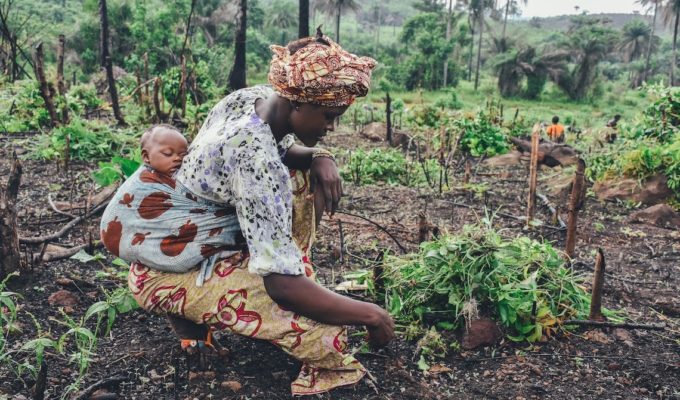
(312, 122)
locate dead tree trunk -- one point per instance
(182, 87)
(598, 283)
(45, 91)
(575, 202)
(388, 116)
(10, 255)
(61, 85)
(237, 77)
(157, 88)
(533, 174)
(107, 64)
(303, 18)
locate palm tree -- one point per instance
(281, 16)
(671, 14)
(645, 3)
(478, 8)
(513, 4)
(589, 42)
(337, 7)
(636, 34)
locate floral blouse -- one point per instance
(235, 159)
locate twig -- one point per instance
(55, 209)
(382, 228)
(66, 228)
(626, 325)
(553, 211)
(114, 380)
(598, 284)
(60, 255)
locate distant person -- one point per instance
(612, 125)
(556, 130)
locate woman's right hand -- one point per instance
(381, 330)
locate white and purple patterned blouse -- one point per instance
(235, 159)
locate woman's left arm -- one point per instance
(325, 178)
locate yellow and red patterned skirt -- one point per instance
(235, 300)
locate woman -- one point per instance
(243, 156)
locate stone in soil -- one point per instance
(653, 190)
(63, 298)
(661, 215)
(481, 332)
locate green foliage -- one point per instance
(386, 165)
(26, 110)
(117, 169)
(87, 140)
(526, 284)
(481, 136)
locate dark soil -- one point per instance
(643, 280)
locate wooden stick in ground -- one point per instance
(45, 92)
(61, 85)
(533, 174)
(574, 205)
(10, 254)
(603, 324)
(598, 283)
(468, 171)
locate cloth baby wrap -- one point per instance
(153, 219)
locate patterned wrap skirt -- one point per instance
(234, 300)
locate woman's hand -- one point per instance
(381, 331)
(325, 181)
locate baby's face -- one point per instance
(165, 150)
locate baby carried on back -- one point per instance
(156, 221)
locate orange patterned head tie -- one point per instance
(321, 74)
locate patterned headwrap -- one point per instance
(319, 73)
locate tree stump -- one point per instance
(9, 235)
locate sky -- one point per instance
(549, 8)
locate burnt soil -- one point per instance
(643, 280)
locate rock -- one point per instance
(234, 386)
(661, 215)
(63, 298)
(506, 160)
(375, 131)
(103, 394)
(653, 190)
(481, 332)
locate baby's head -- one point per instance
(163, 148)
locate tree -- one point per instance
(671, 14)
(303, 19)
(106, 62)
(337, 7)
(635, 37)
(653, 27)
(237, 76)
(511, 5)
(478, 8)
(588, 42)
(515, 64)
(281, 17)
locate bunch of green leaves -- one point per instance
(87, 140)
(119, 167)
(390, 166)
(22, 107)
(8, 319)
(525, 284)
(661, 119)
(481, 136)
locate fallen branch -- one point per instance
(66, 253)
(382, 228)
(626, 325)
(66, 228)
(114, 380)
(553, 211)
(57, 210)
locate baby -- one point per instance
(156, 221)
(163, 148)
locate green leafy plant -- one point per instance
(523, 283)
(481, 136)
(387, 165)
